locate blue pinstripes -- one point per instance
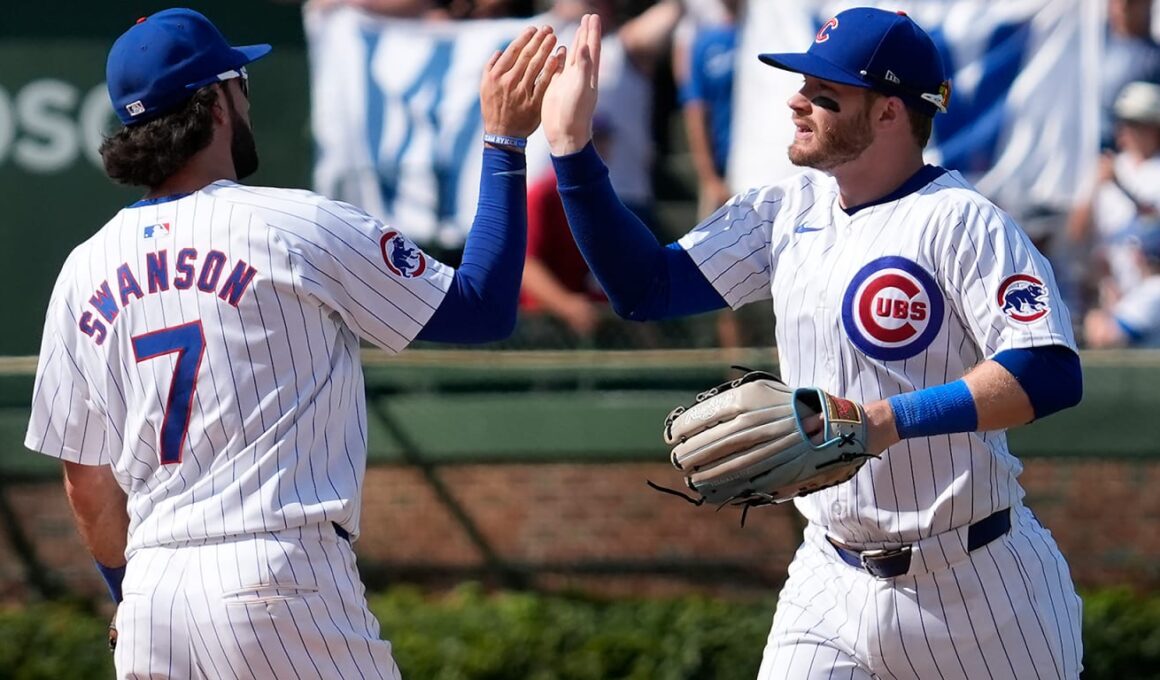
(314, 622)
(289, 348)
(330, 614)
(297, 629)
(294, 363)
(1023, 648)
(324, 250)
(165, 584)
(1040, 540)
(322, 208)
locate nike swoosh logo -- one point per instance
(521, 171)
(802, 230)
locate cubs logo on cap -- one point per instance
(403, 258)
(1024, 298)
(892, 309)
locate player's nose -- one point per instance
(798, 103)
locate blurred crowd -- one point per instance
(673, 61)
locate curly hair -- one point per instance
(148, 153)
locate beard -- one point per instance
(243, 148)
(835, 145)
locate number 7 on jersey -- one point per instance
(188, 340)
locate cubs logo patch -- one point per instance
(892, 309)
(403, 259)
(1024, 298)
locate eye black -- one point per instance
(826, 103)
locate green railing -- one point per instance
(449, 407)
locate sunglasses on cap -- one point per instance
(238, 73)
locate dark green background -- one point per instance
(46, 215)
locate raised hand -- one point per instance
(570, 101)
(513, 84)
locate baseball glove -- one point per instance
(743, 442)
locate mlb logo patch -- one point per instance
(135, 108)
(156, 230)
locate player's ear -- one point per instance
(889, 111)
(221, 105)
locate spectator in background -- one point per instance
(707, 96)
(1134, 319)
(698, 14)
(557, 286)
(1126, 188)
(437, 10)
(629, 56)
(1130, 54)
(708, 107)
(404, 9)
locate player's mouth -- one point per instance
(802, 130)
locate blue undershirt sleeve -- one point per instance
(643, 280)
(1051, 376)
(480, 306)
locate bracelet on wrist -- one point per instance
(513, 143)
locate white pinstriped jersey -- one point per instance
(208, 349)
(901, 295)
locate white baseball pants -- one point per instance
(1006, 610)
(279, 605)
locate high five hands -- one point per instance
(515, 80)
(570, 100)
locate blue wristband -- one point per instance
(504, 140)
(113, 577)
(945, 409)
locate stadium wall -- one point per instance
(529, 471)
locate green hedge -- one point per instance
(471, 635)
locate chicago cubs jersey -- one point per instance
(207, 348)
(906, 293)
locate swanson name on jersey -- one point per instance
(188, 272)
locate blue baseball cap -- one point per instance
(875, 49)
(1146, 235)
(158, 64)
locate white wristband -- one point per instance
(504, 140)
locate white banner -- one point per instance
(1023, 118)
(396, 119)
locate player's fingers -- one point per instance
(508, 58)
(578, 40)
(554, 67)
(593, 38)
(529, 52)
(491, 64)
(538, 59)
(812, 425)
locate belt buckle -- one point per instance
(871, 567)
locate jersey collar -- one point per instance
(925, 175)
(157, 201)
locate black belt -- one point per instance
(893, 562)
(342, 533)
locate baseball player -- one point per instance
(897, 286)
(200, 376)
